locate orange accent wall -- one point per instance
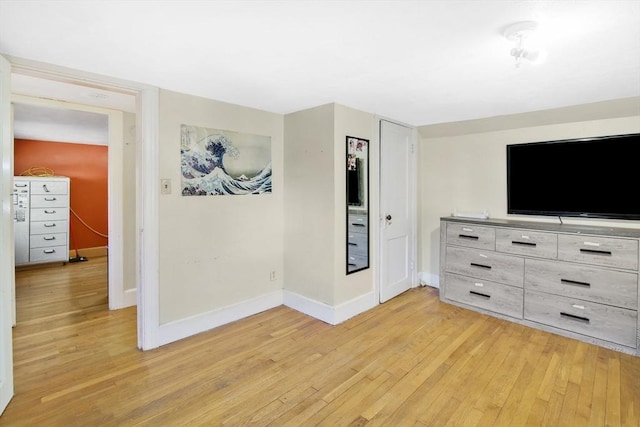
(86, 165)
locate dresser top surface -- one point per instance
(549, 226)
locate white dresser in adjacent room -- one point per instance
(41, 219)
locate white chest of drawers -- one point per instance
(41, 218)
(575, 281)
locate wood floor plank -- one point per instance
(412, 361)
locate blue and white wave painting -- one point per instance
(218, 162)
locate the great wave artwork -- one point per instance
(220, 162)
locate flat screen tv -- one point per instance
(588, 177)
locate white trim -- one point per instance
(429, 279)
(7, 278)
(148, 188)
(147, 254)
(115, 193)
(327, 313)
(130, 298)
(183, 328)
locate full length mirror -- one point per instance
(357, 169)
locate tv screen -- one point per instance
(589, 177)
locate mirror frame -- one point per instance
(357, 205)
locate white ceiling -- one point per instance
(420, 62)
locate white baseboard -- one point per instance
(329, 314)
(130, 298)
(429, 279)
(174, 331)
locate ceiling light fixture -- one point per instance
(521, 33)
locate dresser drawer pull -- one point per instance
(574, 317)
(20, 185)
(49, 238)
(350, 264)
(575, 282)
(44, 187)
(467, 236)
(49, 212)
(49, 225)
(479, 294)
(50, 199)
(352, 244)
(516, 242)
(487, 267)
(595, 251)
(355, 224)
(49, 251)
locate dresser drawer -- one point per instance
(605, 251)
(49, 200)
(357, 223)
(525, 242)
(356, 262)
(55, 253)
(49, 214)
(357, 243)
(471, 236)
(488, 295)
(44, 227)
(49, 187)
(584, 317)
(485, 265)
(584, 282)
(47, 240)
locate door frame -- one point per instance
(115, 202)
(413, 192)
(7, 278)
(147, 182)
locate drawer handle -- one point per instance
(480, 294)
(357, 225)
(467, 236)
(49, 238)
(20, 185)
(49, 251)
(575, 282)
(49, 225)
(515, 242)
(574, 317)
(49, 212)
(487, 267)
(350, 264)
(50, 199)
(352, 244)
(44, 187)
(595, 251)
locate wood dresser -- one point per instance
(576, 281)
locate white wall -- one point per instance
(316, 282)
(216, 251)
(468, 172)
(309, 179)
(350, 122)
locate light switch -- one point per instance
(165, 186)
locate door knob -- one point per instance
(388, 217)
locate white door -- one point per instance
(7, 277)
(397, 206)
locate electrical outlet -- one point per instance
(165, 186)
(272, 276)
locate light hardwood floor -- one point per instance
(412, 361)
